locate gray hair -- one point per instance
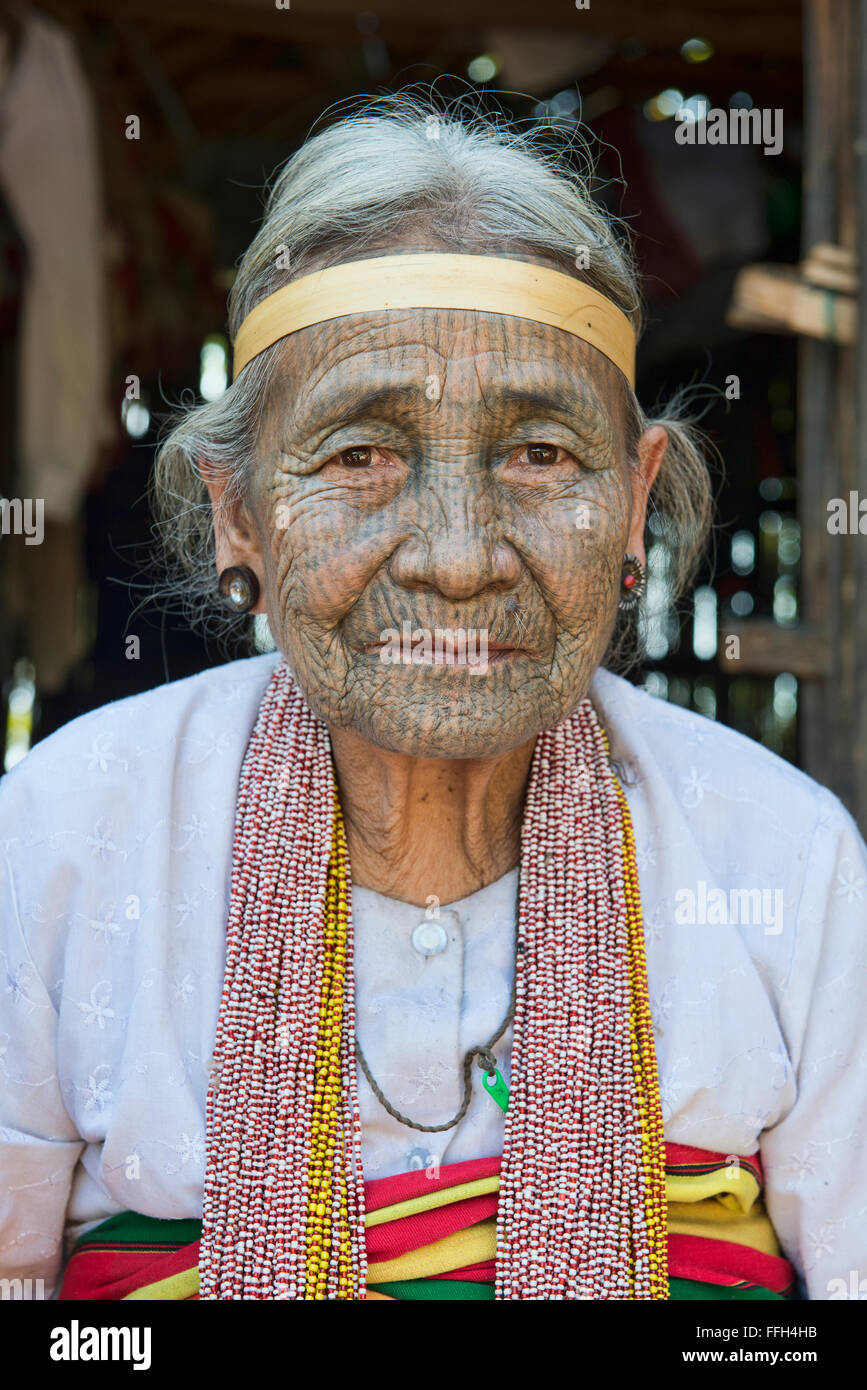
(473, 181)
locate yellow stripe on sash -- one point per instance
(716, 1222)
(733, 1186)
(430, 1200)
(468, 1247)
(176, 1287)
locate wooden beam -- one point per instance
(833, 267)
(733, 26)
(764, 648)
(778, 298)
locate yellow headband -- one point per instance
(489, 284)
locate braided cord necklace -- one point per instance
(487, 1061)
(581, 1208)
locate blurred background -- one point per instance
(133, 151)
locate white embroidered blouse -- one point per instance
(116, 843)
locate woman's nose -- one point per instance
(457, 546)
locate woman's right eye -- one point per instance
(360, 456)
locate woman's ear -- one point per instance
(235, 538)
(651, 451)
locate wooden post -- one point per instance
(819, 470)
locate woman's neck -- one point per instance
(422, 827)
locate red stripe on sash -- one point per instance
(724, 1262)
(111, 1272)
(384, 1192)
(682, 1156)
(394, 1238)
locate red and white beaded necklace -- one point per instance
(582, 1199)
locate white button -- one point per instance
(429, 938)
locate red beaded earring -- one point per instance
(632, 582)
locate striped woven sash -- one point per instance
(431, 1234)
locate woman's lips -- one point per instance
(473, 660)
(492, 656)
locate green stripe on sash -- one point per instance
(436, 1289)
(682, 1289)
(132, 1228)
(452, 1289)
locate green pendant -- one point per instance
(496, 1087)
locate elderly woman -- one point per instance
(426, 957)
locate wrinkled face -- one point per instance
(423, 472)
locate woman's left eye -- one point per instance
(542, 453)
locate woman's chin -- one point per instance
(459, 718)
(446, 710)
(450, 739)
